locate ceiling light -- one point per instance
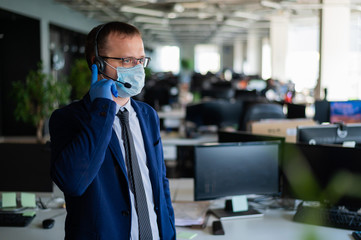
(153, 20)
(219, 17)
(270, 4)
(178, 7)
(247, 15)
(172, 15)
(193, 5)
(203, 15)
(155, 27)
(236, 23)
(143, 11)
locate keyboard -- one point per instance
(15, 219)
(337, 218)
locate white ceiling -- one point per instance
(190, 21)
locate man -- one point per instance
(92, 160)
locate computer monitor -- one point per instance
(218, 93)
(345, 111)
(296, 111)
(328, 174)
(232, 169)
(243, 136)
(25, 168)
(220, 113)
(322, 111)
(342, 134)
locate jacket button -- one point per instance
(103, 114)
(125, 213)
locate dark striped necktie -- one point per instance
(135, 178)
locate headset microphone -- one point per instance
(126, 84)
(99, 61)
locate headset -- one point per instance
(99, 61)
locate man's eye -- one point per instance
(126, 60)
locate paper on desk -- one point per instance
(190, 213)
(186, 235)
(9, 200)
(28, 200)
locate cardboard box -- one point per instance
(281, 127)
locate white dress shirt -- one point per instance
(142, 160)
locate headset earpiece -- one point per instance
(99, 62)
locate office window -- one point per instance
(302, 63)
(165, 59)
(207, 58)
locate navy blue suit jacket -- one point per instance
(88, 166)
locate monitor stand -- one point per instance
(232, 209)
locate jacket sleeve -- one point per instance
(79, 139)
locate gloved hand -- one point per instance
(103, 88)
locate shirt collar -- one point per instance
(127, 106)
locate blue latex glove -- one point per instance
(103, 88)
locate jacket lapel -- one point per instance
(117, 152)
(144, 121)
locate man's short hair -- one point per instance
(107, 28)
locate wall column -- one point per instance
(238, 55)
(334, 49)
(279, 44)
(254, 53)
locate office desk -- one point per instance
(35, 231)
(276, 224)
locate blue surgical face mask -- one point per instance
(135, 76)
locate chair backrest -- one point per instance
(259, 111)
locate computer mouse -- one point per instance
(48, 223)
(217, 228)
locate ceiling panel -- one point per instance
(188, 21)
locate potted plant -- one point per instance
(38, 97)
(79, 79)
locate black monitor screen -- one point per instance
(329, 174)
(221, 113)
(329, 134)
(25, 168)
(232, 169)
(322, 111)
(243, 136)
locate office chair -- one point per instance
(259, 111)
